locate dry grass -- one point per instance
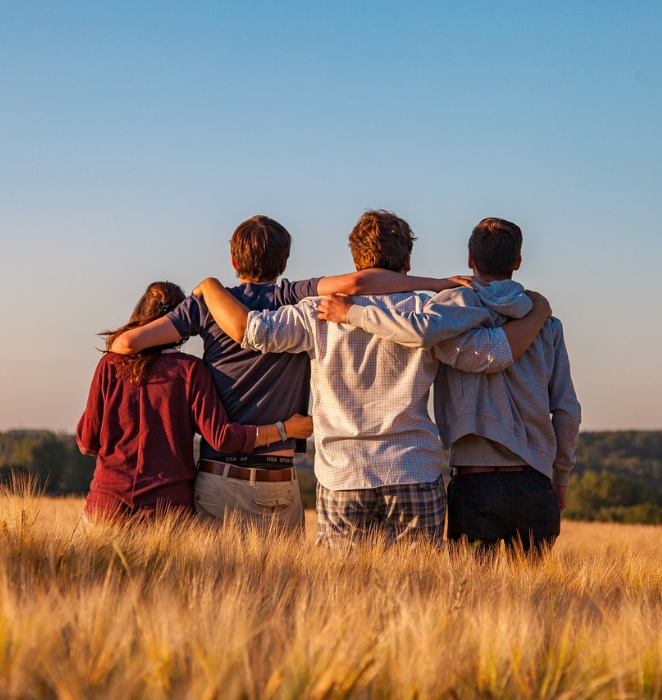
(179, 609)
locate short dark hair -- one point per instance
(260, 247)
(496, 245)
(381, 239)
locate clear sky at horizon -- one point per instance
(134, 137)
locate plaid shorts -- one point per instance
(399, 512)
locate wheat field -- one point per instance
(180, 609)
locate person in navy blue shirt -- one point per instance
(260, 487)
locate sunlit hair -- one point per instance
(260, 247)
(159, 299)
(381, 239)
(496, 245)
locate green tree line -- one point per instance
(53, 457)
(618, 476)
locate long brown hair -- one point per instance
(158, 299)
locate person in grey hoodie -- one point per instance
(511, 434)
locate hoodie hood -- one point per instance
(506, 298)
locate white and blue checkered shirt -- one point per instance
(370, 396)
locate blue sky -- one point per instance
(135, 136)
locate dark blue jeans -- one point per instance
(509, 506)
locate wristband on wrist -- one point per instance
(281, 430)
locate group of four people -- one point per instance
(503, 397)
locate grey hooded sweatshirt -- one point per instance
(530, 408)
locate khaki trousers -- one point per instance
(268, 504)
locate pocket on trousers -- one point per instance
(274, 498)
(273, 505)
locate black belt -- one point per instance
(486, 470)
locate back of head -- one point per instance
(381, 239)
(260, 247)
(159, 299)
(495, 246)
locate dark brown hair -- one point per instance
(381, 239)
(157, 301)
(260, 247)
(496, 245)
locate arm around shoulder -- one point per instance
(480, 350)
(522, 332)
(159, 332)
(379, 281)
(439, 321)
(370, 281)
(228, 312)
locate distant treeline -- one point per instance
(618, 476)
(53, 457)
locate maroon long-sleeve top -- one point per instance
(143, 433)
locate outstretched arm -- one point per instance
(441, 327)
(378, 281)
(493, 349)
(159, 332)
(228, 312)
(413, 329)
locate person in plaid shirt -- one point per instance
(512, 435)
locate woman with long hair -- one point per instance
(142, 414)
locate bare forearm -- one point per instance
(228, 312)
(159, 332)
(296, 426)
(522, 332)
(378, 281)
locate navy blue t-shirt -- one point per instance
(254, 388)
